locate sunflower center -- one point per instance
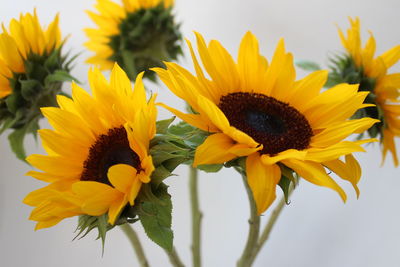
(108, 150)
(270, 122)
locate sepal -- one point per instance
(35, 88)
(146, 38)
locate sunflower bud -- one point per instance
(138, 35)
(32, 70)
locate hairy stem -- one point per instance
(254, 228)
(137, 246)
(270, 225)
(174, 258)
(196, 217)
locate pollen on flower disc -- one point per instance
(108, 150)
(272, 123)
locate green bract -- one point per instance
(146, 38)
(36, 88)
(344, 70)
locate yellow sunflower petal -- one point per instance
(262, 180)
(314, 173)
(116, 208)
(58, 165)
(340, 131)
(251, 65)
(48, 223)
(389, 145)
(391, 56)
(97, 197)
(214, 150)
(10, 53)
(287, 154)
(337, 150)
(308, 87)
(205, 85)
(350, 170)
(192, 119)
(57, 144)
(209, 64)
(224, 61)
(121, 176)
(66, 122)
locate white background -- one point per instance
(315, 230)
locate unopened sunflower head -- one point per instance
(256, 111)
(32, 69)
(358, 65)
(139, 34)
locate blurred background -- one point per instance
(315, 230)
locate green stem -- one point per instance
(270, 224)
(196, 217)
(254, 228)
(134, 239)
(174, 258)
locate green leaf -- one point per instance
(159, 174)
(160, 156)
(156, 217)
(211, 167)
(162, 126)
(307, 65)
(171, 164)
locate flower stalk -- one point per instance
(196, 217)
(254, 228)
(135, 242)
(174, 258)
(270, 224)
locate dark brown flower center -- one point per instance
(272, 123)
(110, 149)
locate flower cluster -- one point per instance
(107, 156)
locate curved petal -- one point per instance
(115, 209)
(340, 131)
(337, 150)
(121, 176)
(262, 180)
(391, 56)
(314, 173)
(214, 150)
(389, 145)
(193, 119)
(350, 171)
(287, 154)
(251, 65)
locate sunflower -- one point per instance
(32, 70)
(138, 34)
(256, 110)
(360, 66)
(98, 153)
